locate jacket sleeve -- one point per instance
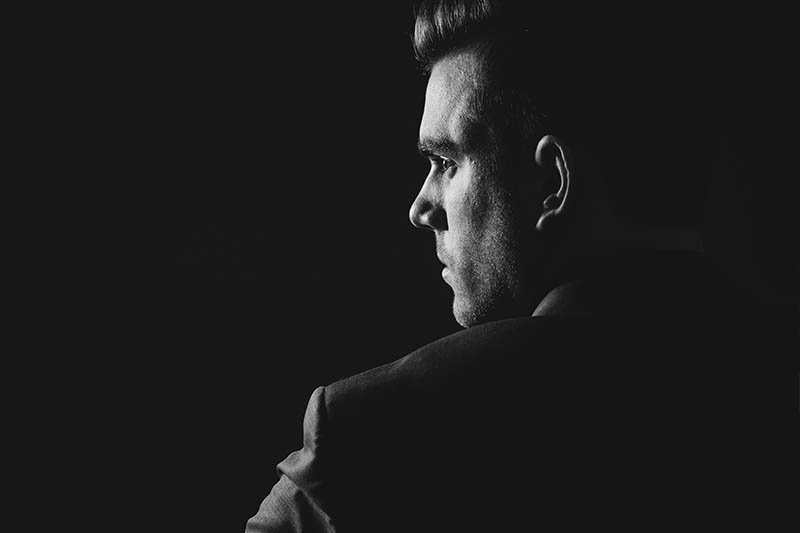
(296, 502)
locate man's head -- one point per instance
(463, 200)
(514, 104)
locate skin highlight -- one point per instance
(507, 226)
(464, 202)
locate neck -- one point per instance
(610, 237)
(605, 241)
(645, 280)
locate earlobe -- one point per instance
(552, 155)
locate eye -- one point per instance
(442, 164)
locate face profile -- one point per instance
(608, 375)
(463, 199)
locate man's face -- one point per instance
(465, 202)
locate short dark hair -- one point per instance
(608, 81)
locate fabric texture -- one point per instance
(659, 414)
(292, 504)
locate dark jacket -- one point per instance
(637, 402)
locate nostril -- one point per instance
(425, 215)
(436, 219)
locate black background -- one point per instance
(263, 173)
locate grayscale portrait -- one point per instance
(474, 265)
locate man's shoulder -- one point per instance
(545, 356)
(448, 362)
(543, 407)
(504, 362)
(439, 390)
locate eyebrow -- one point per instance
(438, 147)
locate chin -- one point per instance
(470, 312)
(463, 320)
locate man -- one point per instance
(590, 387)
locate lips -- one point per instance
(441, 257)
(443, 260)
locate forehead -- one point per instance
(450, 96)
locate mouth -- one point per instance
(446, 273)
(440, 256)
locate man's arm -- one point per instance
(286, 509)
(294, 502)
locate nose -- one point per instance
(426, 210)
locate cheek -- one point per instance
(472, 236)
(463, 226)
(468, 204)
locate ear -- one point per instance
(552, 155)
